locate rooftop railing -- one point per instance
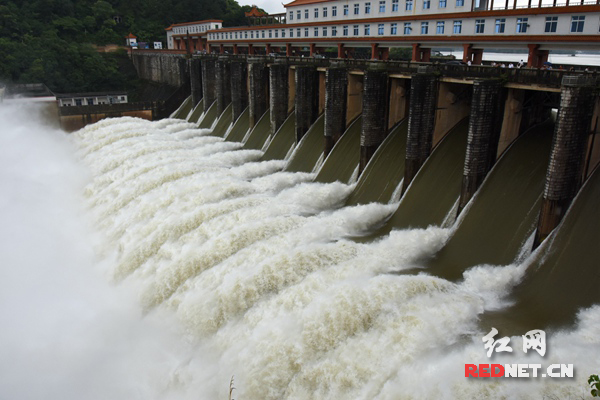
(525, 76)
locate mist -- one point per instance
(67, 333)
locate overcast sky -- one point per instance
(270, 6)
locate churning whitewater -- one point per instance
(204, 263)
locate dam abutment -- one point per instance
(375, 110)
(210, 83)
(421, 122)
(307, 98)
(223, 83)
(195, 67)
(239, 87)
(485, 124)
(565, 170)
(278, 93)
(336, 103)
(258, 84)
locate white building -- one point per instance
(131, 40)
(178, 35)
(537, 26)
(91, 99)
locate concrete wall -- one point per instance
(321, 92)
(454, 103)
(171, 69)
(399, 100)
(71, 123)
(355, 86)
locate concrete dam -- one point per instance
(309, 229)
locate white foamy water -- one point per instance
(212, 264)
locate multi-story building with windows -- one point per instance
(537, 26)
(191, 35)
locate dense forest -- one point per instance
(51, 41)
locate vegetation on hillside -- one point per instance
(51, 41)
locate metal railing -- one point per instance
(525, 76)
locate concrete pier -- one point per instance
(223, 84)
(239, 88)
(485, 124)
(208, 78)
(565, 171)
(278, 88)
(421, 122)
(307, 98)
(258, 77)
(195, 68)
(336, 99)
(375, 106)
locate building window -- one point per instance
(236, 35)
(316, 13)
(324, 12)
(299, 14)
(356, 9)
(355, 30)
(426, 4)
(393, 29)
(305, 32)
(407, 28)
(500, 24)
(345, 30)
(283, 33)
(245, 35)
(299, 32)
(324, 31)
(306, 14)
(442, 3)
(460, 3)
(577, 23)
(270, 34)
(439, 29)
(334, 31)
(78, 102)
(367, 30)
(479, 25)
(345, 10)
(551, 23)
(333, 11)
(368, 8)
(277, 33)
(522, 25)
(380, 29)
(263, 34)
(457, 27)
(252, 35)
(316, 30)
(424, 28)
(394, 5)
(291, 33)
(90, 102)
(291, 15)
(382, 6)
(409, 5)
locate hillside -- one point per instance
(50, 41)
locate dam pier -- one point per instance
(500, 105)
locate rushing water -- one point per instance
(151, 260)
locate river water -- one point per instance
(148, 260)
